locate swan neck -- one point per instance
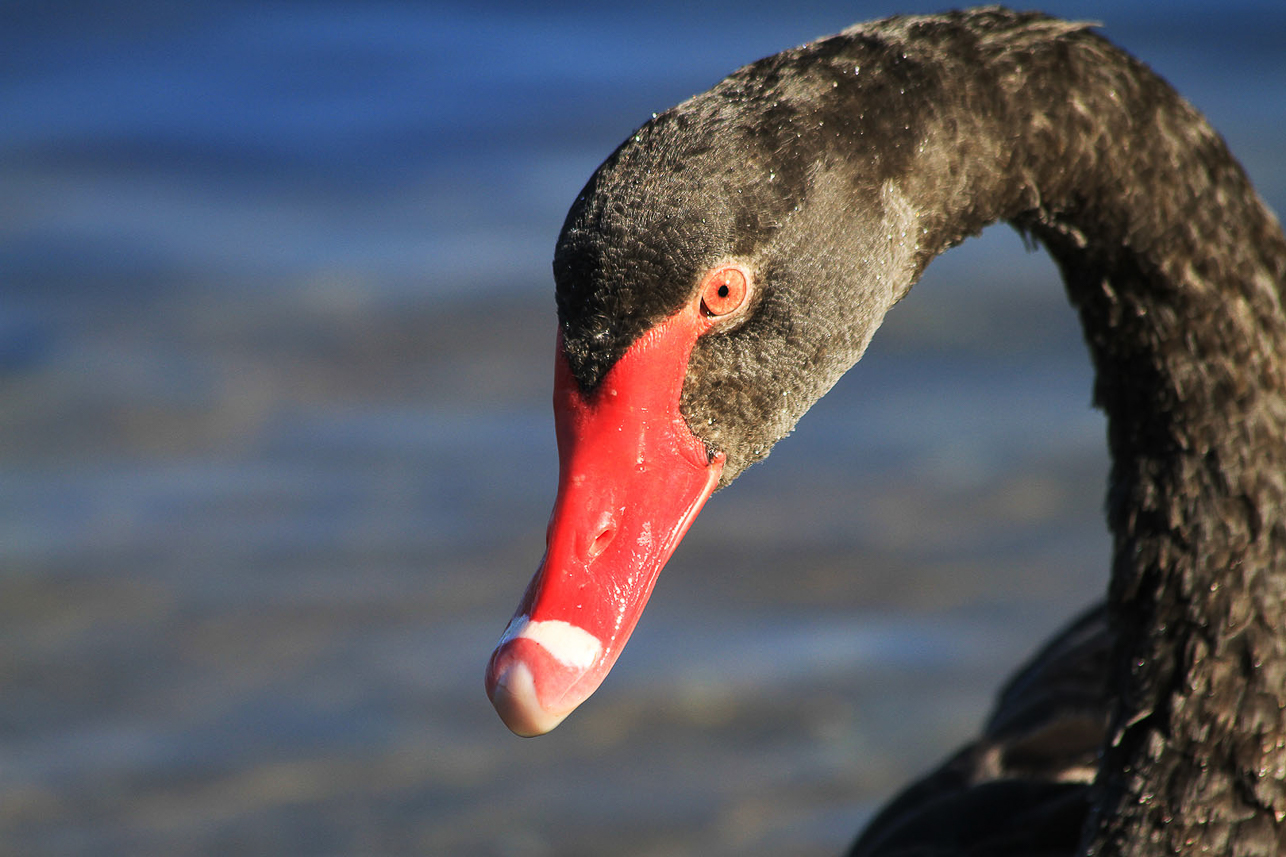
(1176, 268)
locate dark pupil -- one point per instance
(723, 290)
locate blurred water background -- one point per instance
(276, 458)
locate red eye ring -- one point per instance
(724, 290)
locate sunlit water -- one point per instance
(276, 459)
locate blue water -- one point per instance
(275, 456)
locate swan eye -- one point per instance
(724, 291)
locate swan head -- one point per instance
(716, 276)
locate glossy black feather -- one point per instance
(1023, 787)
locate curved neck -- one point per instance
(1177, 270)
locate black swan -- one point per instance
(733, 258)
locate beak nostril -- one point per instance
(601, 541)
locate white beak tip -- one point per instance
(513, 694)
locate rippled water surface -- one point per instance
(276, 457)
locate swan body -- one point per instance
(734, 257)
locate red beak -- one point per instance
(631, 479)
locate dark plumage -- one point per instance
(836, 171)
